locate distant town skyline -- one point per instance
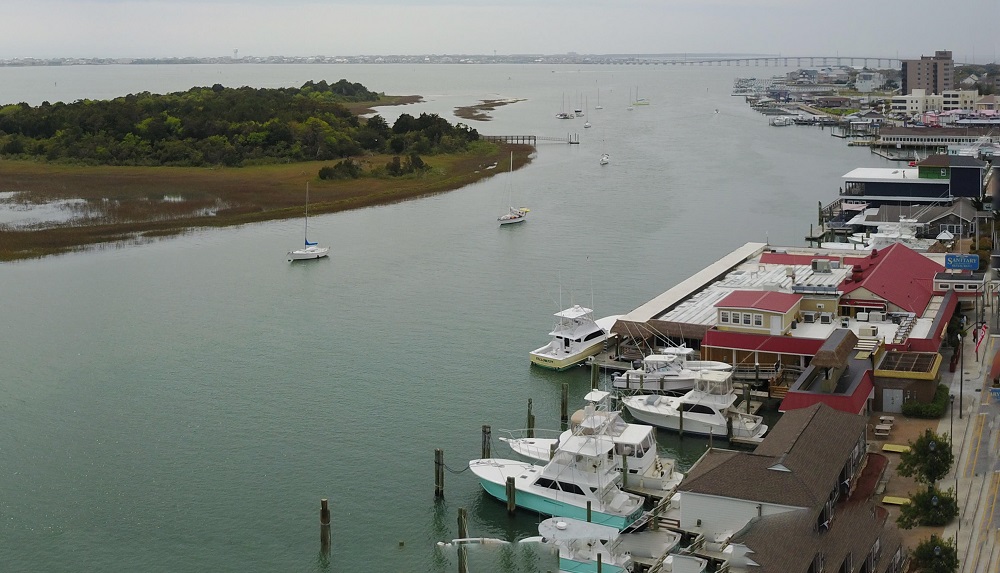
(46, 29)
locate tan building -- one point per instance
(935, 74)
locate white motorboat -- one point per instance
(709, 409)
(670, 372)
(575, 337)
(580, 543)
(582, 472)
(782, 121)
(635, 444)
(513, 214)
(605, 159)
(310, 250)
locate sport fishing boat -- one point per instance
(635, 444)
(581, 472)
(575, 337)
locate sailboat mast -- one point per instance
(306, 230)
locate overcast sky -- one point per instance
(201, 28)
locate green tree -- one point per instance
(928, 460)
(936, 555)
(931, 508)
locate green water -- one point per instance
(184, 405)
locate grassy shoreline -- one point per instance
(129, 205)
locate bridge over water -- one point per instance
(878, 62)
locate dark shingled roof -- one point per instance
(852, 531)
(798, 463)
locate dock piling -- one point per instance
(486, 442)
(589, 512)
(531, 421)
(463, 533)
(324, 526)
(593, 374)
(625, 469)
(511, 495)
(438, 473)
(564, 407)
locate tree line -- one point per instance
(207, 126)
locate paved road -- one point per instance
(976, 420)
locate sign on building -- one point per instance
(961, 262)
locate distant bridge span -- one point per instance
(878, 62)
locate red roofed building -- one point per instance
(897, 277)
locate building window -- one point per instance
(746, 318)
(758, 320)
(736, 318)
(724, 316)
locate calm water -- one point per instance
(183, 405)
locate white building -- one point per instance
(868, 81)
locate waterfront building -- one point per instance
(935, 74)
(807, 486)
(768, 311)
(935, 179)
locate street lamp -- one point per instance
(951, 421)
(961, 375)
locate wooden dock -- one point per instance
(571, 138)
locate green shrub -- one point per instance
(937, 408)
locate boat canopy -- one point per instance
(677, 351)
(566, 529)
(576, 312)
(634, 434)
(589, 446)
(659, 358)
(596, 396)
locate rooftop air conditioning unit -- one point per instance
(820, 266)
(808, 317)
(875, 316)
(869, 330)
(862, 317)
(826, 318)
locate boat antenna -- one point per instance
(591, 271)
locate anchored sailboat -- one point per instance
(513, 214)
(310, 250)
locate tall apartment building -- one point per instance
(934, 74)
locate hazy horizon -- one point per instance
(47, 29)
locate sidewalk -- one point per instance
(975, 472)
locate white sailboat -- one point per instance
(513, 214)
(629, 108)
(586, 124)
(310, 250)
(640, 100)
(598, 106)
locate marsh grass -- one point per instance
(129, 205)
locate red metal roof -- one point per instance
(897, 274)
(760, 300)
(762, 342)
